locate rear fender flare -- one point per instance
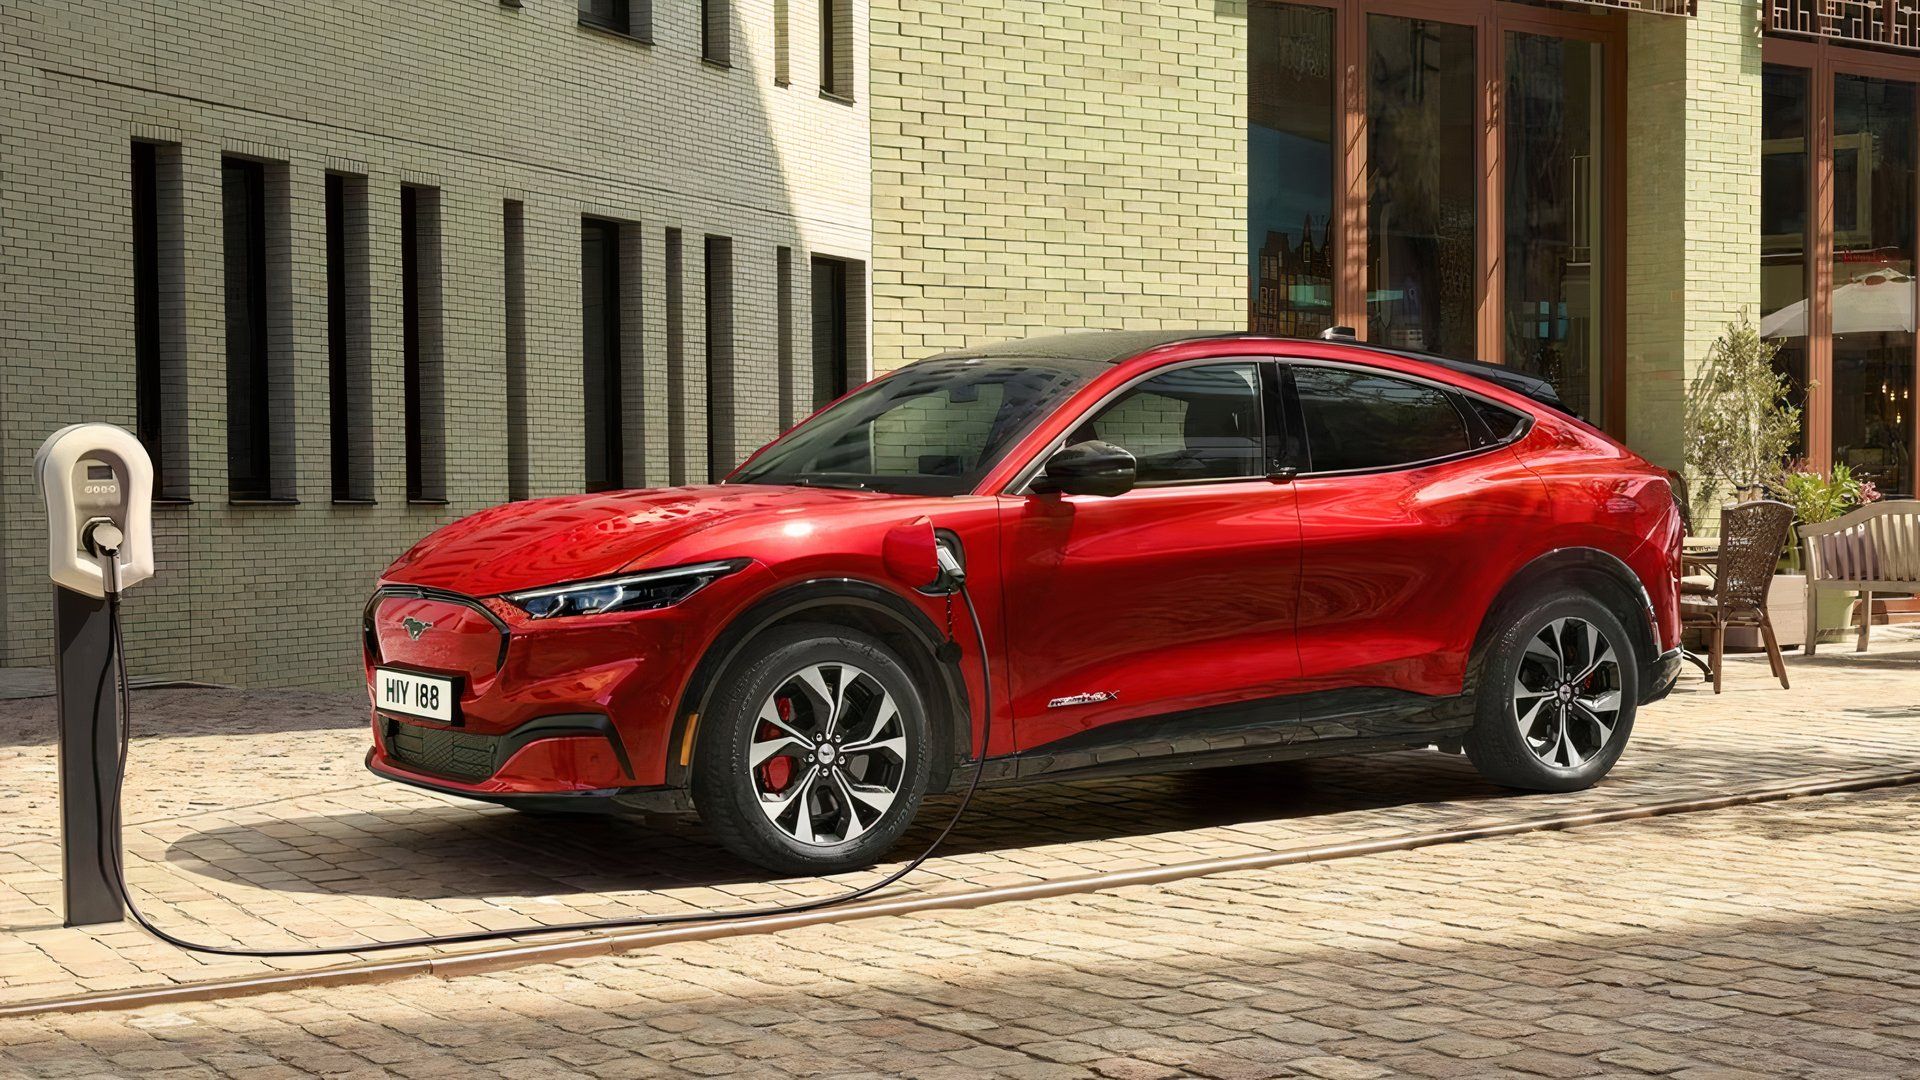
(1590, 568)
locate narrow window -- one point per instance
(349, 406)
(421, 342)
(249, 401)
(149, 387)
(514, 257)
(719, 297)
(783, 332)
(630, 17)
(159, 317)
(836, 48)
(839, 323)
(830, 377)
(679, 444)
(606, 14)
(1291, 91)
(782, 45)
(715, 31)
(600, 351)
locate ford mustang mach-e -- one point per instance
(1185, 549)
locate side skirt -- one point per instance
(1325, 724)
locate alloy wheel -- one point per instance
(1566, 693)
(828, 754)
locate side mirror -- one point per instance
(1089, 468)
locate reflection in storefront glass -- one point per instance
(1290, 122)
(1554, 237)
(1873, 299)
(1422, 98)
(1783, 226)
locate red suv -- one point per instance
(1186, 550)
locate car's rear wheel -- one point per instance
(1557, 689)
(813, 755)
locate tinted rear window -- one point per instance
(1365, 420)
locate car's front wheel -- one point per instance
(1557, 688)
(814, 754)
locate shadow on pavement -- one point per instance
(462, 850)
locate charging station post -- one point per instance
(97, 481)
(89, 754)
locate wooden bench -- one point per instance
(1873, 549)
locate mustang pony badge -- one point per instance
(415, 627)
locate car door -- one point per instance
(1136, 622)
(1411, 509)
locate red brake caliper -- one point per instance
(777, 771)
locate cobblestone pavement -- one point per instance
(1781, 940)
(252, 820)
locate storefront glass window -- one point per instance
(1290, 124)
(1422, 101)
(1553, 225)
(1783, 226)
(1873, 301)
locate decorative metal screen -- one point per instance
(1657, 7)
(1892, 23)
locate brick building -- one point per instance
(356, 269)
(1590, 190)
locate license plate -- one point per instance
(415, 695)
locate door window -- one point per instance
(1365, 420)
(1193, 423)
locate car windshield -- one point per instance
(933, 428)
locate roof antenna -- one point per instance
(1339, 333)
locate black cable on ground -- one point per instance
(113, 863)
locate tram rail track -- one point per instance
(602, 943)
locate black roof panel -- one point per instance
(1113, 346)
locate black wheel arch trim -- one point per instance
(782, 605)
(1648, 655)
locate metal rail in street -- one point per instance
(495, 958)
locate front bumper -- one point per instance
(567, 707)
(568, 754)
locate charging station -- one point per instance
(97, 482)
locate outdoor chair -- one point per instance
(1752, 536)
(1874, 548)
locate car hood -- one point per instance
(525, 545)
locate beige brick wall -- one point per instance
(1055, 164)
(1693, 196)
(482, 101)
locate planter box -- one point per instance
(1787, 607)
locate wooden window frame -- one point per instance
(1823, 61)
(1492, 20)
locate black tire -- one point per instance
(733, 796)
(1559, 747)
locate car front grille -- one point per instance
(441, 751)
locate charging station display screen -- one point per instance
(99, 472)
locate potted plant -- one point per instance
(1818, 498)
(1741, 424)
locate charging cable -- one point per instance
(105, 545)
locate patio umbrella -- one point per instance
(1878, 302)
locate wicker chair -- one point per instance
(1752, 536)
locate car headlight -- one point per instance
(628, 592)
